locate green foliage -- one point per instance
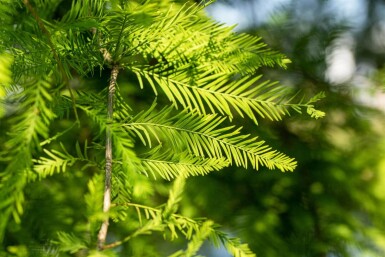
(59, 132)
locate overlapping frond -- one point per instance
(5, 80)
(12, 182)
(224, 94)
(77, 48)
(205, 137)
(69, 41)
(233, 245)
(174, 197)
(197, 63)
(58, 161)
(29, 49)
(30, 126)
(82, 10)
(69, 242)
(5, 71)
(38, 114)
(76, 37)
(122, 191)
(123, 143)
(92, 105)
(147, 34)
(94, 202)
(196, 241)
(7, 9)
(191, 228)
(124, 148)
(170, 165)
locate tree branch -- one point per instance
(107, 184)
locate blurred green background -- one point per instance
(333, 204)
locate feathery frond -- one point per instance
(232, 245)
(58, 161)
(37, 114)
(123, 144)
(169, 165)
(29, 127)
(197, 240)
(81, 10)
(221, 93)
(205, 137)
(94, 203)
(180, 35)
(5, 72)
(175, 196)
(70, 243)
(198, 70)
(5, 80)
(190, 227)
(12, 182)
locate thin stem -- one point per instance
(107, 184)
(142, 230)
(49, 140)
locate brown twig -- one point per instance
(107, 184)
(54, 52)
